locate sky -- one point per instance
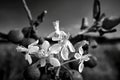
(69, 12)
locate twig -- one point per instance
(27, 10)
(69, 61)
(58, 71)
(29, 16)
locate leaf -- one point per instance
(77, 56)
(81, 66)
(54, 61)
(21, 49)
(40, 18)
(110, 22)
(55, 48)
(28, 58)
(96, 9)
(70, 46)
(85, 23)
(43, 62)
(45, 45)
(64, 53)
(102, 16)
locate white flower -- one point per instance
(32, 49)
(66, 46)
(43, 52)
(81, 58)
(63, 47)
(46, 53)
(57, 35)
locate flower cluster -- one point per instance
(46, 53)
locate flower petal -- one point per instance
(86, 57)
(33, 49)
(81, 66)
(64, 34)
(64, 53)
(43, 62)
(34, 43)
(56, 38)
(81, 51)
(51, 35)
(54, 49)
(54, 61)
(45, 45)
(21, 49)
(56, 25)
(28, 58)
(77, 56)
(39, 54)
(70, 46)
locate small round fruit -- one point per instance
(76, 75)
(15, 36)
(27, 41)
(91, 63)
(32, 73)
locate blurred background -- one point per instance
(70, 14)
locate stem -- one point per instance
(36, 63)
(65, 63)
(27, 10)
(58, 71)
(69, 61)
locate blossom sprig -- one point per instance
(44, 53)
(32, 49)
(79, 56)
(63, 41)
(47, 54)
(64, 47)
